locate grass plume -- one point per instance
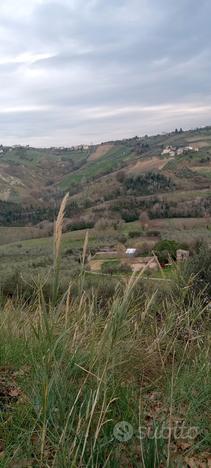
(57, 245)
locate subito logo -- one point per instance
(123, 431)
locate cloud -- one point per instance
(74, 71)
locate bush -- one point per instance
(165, 249)
(77, 225)
(122, 238)
(125, 268)
(133, 234)
(153, 233)
(148, 183)
(106, 224)
(130, 215)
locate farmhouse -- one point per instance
(169, 150)
(172, 151)
(126, 257)
(186, 149)
(180, 151)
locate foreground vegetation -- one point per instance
(120, 378)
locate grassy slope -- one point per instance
(70, 375)
(15, 234)
(181, 169)
(112, 160)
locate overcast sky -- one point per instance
(83, 71)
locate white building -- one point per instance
(169, 150)
(131, 252)
(191, 148)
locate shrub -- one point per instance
(153, 233)
(148, 183)
(104, 224)
(81, 224)
(125, 268)
(199, 266)
(165, 249)
(133, 234)
(130, 215)
(122, 238)
(120, 177)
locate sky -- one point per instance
(86, 71)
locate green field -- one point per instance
(113, 160)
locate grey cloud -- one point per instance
(64, 59)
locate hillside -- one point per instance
(100, 179)
(112, 187)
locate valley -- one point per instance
(111, 187)
(107, 295)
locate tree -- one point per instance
(144, 220)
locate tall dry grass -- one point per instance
(81, 371)
(57, 245)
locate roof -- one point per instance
(130, 251)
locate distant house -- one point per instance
(191, 148)
(180, 151)
(182, 255)
(172, 151)
(169, 150)
(131, 252)
(128, 257)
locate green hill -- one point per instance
(116, 180)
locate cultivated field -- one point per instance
(33, 257)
